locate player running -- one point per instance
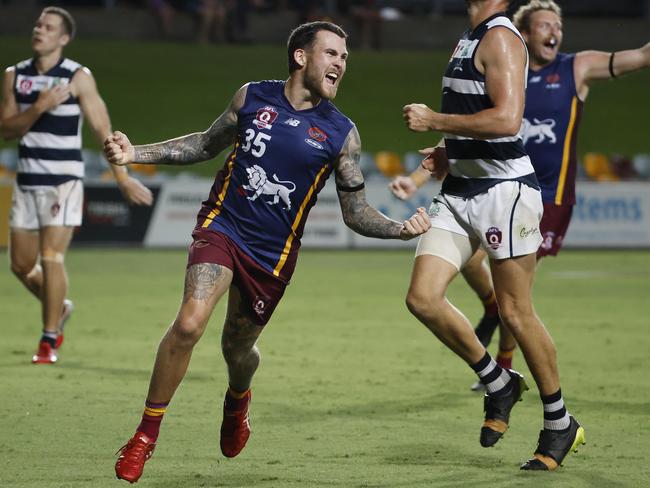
(288, 138)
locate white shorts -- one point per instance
(505, 220)
(54, 206)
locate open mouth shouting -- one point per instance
(332, 78)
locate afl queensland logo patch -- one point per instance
(25, 86)
(494, 237)
(265, 117)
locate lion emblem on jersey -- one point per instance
(260, 184)
(541, 129)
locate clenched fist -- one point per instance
(118, 149)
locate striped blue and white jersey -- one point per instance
(49, 154)
(476, 165)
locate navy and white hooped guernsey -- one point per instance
(49, 154)
(476, 165)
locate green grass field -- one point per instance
(352, 391)
(156, 91)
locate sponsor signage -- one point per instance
(325, 227)
(610, 215)
(174, 217)
(108, 218)
(606, 215)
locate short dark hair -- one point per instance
(69, 24)
(303, 37)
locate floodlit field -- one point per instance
(156, 91)
(352, 392)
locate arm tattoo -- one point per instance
(200, 281)
(357, 214)
(199, 146)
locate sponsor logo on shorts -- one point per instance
(55, 209)
(494, 237)
(528, 232)
(259, 304)
(547, 243)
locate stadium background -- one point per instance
(352, 391)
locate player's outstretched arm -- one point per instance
(357, 214)
(189, 149)
(590, 66)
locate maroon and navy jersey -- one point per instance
(281, 160)
(550, 128)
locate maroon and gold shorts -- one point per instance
(260, 290)
(553, 227)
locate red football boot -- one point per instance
(68, 307)
(45, 354)
(235, 428)
(133, 455)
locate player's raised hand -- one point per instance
(418, 117)
(403, 187)
(416, 225)
(118, 149)
(435, 161)
(135, 192)
(55, 96)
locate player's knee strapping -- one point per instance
(36, 270)
(51, 256)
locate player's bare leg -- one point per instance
(477, 274)
(242, 357)
(205, 284)
(47, 281)
(513, 281)
(426, 300)
(54, 243)
(24, 251)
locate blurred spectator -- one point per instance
(598, 168)
(641, 164)
(237, 12)
(366, 15)
(210, 17)
(308, 10)
(622, 167)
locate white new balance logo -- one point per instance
(292, 122)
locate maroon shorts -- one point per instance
(553, 227)
(260, 290)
